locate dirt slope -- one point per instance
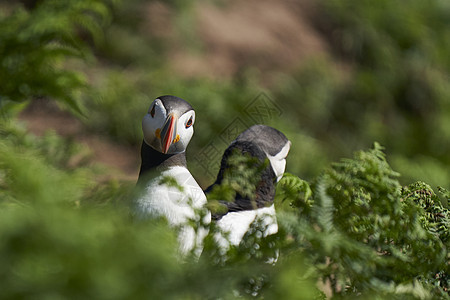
(266, 35)
(43, 115)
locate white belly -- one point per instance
(236, 224)
(178, 204)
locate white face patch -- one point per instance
(185, 130)
(153, 123)
(278, 162)
(153, 120)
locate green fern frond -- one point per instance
(295, 190)
(324, 208)
(445, 193)
(435, 218)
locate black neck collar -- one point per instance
(154, 160)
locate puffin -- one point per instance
(168, 189)
(268, 148)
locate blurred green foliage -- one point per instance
(353, 229)
(382, 83)
(390, 84)
(63, 235)
(36, 44)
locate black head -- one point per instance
(173, 103)
(269, 139)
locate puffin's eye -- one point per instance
(152, 112)
(189, 123)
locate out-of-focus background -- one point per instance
(334, 76)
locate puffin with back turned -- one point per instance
(259, 142)
(170, 191)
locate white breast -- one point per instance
(234, 225)
(177, 206)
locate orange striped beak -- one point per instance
(168, 132)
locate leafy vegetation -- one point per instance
(373, 235)
(354, 228)
(394, 87)
(36, 44)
